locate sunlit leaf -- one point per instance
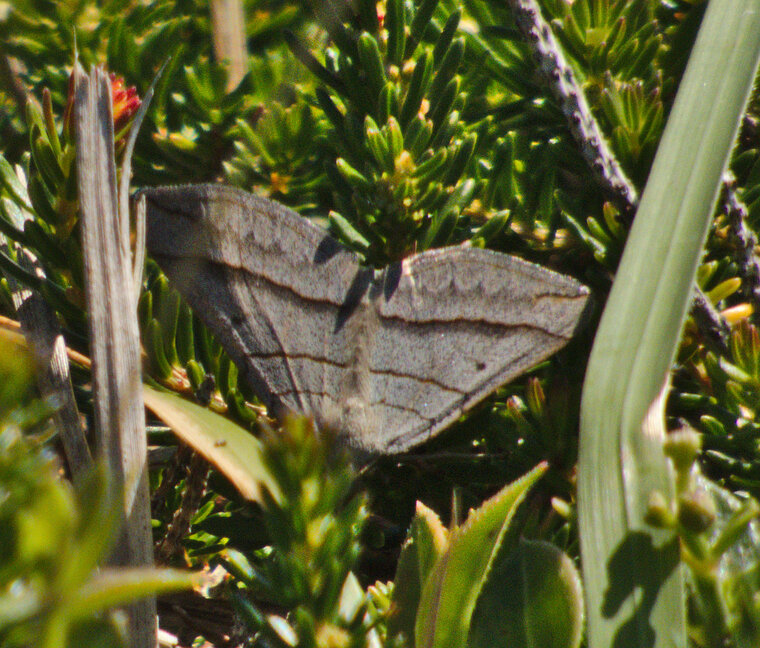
(232, 449)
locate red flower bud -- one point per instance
(125, 104)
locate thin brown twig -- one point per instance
(173, 474)
(195, 488)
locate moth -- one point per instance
(387, 358)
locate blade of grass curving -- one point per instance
(112, 587)
(232, 449)
(634, 588)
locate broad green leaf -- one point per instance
(452, 589)
(232, 449)
(634, 587)
(423, 547)
(532, 598)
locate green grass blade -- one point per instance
(634, 590)
(232, 449)
(114, 587)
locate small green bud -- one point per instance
(562, 508)
(683, 447)
(535, 397)
(696, 511)
(658, 512)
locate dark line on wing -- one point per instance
(313, 392)
(431, 321)
(276, 336)
(459, 406)
(342, 365)
(466, 402)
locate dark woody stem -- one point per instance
(742, 239)
(572, 101)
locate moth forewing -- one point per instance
(388, 358)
